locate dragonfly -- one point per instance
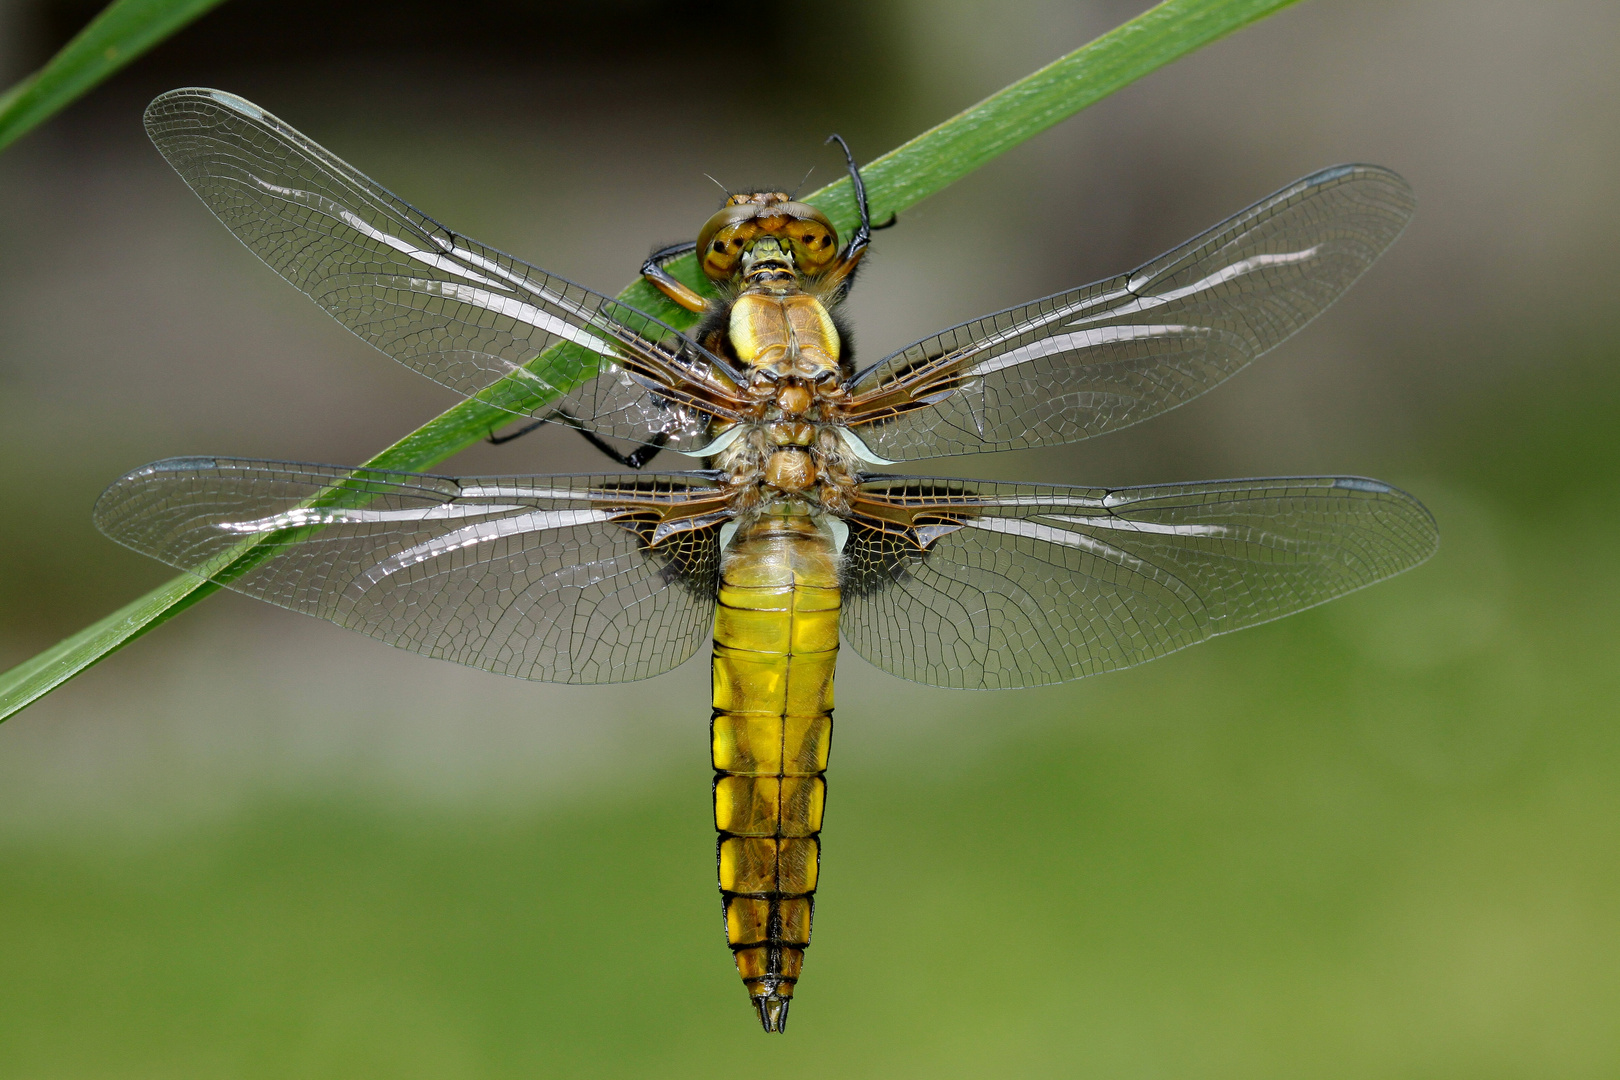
(788, 536)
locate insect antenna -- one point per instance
(721, 186)
(800, 184)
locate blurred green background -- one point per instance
(1379, 839)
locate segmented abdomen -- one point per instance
(775, 647)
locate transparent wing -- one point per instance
(1114, 353)
(460, 313)
(1022, 584)
(582, 579)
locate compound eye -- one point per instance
(815, 245)
(721, 255)
(725, 237)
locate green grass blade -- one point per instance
(118, 35)
(895, 181)
(33, 679)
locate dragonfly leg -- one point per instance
(653, 270)
(636, 459)
(842, 275)
(501, 440)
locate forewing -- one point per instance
(1026, 584)
(547, 577)
(1114, 353)
(460, 313)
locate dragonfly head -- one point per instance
(800, 232)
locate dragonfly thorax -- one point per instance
(789, 457)
(790, 470)
(790, 349)
(785, 334)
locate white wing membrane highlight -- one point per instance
(462, 314)
(544, 579)
(1114, 353)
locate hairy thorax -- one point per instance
(790, 449)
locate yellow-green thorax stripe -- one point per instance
(775, 646)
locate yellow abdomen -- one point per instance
(775, 646)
